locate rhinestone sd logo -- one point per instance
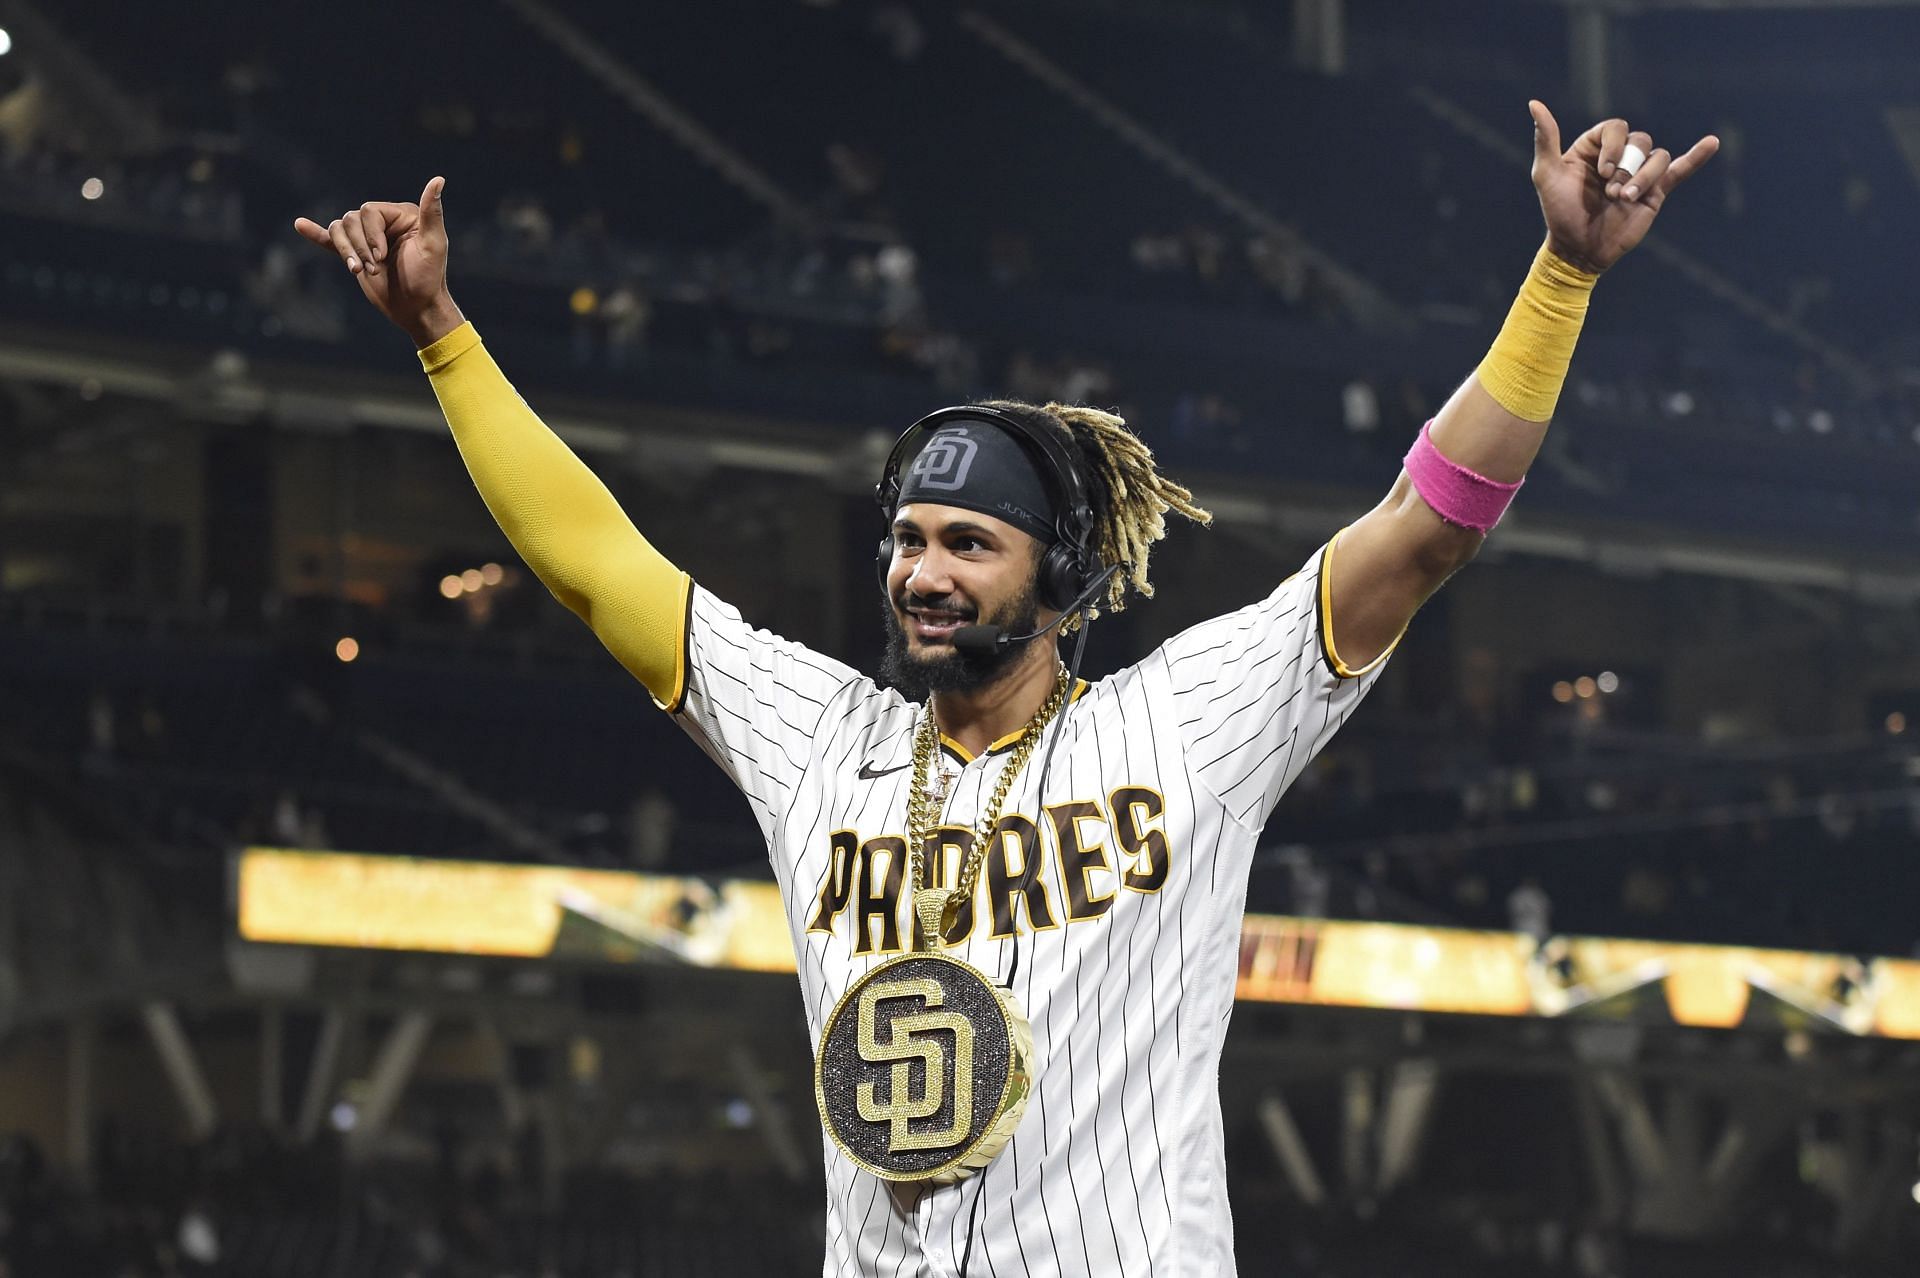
(913, 1038)
(924, 1070)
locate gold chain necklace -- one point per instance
(937, 909)
(939, 1135)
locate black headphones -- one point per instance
(1069, 564)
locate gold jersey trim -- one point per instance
(1340, 668)
(1007, 742)
(672, 704)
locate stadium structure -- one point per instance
(359, 915)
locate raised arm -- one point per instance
(558, 515)
(1394, 557)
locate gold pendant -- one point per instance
(924, 1070)
(930, 906)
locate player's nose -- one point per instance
(932, 574)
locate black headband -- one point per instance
(977, 465)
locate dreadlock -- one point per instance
(1130, 496)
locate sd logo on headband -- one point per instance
(943, 464)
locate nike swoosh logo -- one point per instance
(869, 773)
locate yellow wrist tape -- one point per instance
(1528, 363)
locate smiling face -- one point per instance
(951, 568)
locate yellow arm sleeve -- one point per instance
(562, 519)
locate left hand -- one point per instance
(1596, 211)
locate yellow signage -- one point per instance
(531, 911)
(1429, 969)
(517, 911)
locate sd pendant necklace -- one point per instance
(925, 1065)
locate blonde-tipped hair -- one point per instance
(1130, 496)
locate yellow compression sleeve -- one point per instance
(1528, 363)
(562, 519)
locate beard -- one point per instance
(947, 669)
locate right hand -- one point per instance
(398, 253)
(1596, 212)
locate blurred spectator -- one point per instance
(100, 727)
(650, 830)
(626, 314)
(902, 33)
(1310, 887)
(1530, 910)
(1360, 407)
(1009, 257)
(198, 1239)
(528, 225)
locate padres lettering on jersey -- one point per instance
(1077, 870)
(1127, 933)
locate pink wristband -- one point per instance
(1458, 495)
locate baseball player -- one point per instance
(1081, 850)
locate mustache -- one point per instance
(952, 603)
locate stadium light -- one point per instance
(347, 649)
(92, 189)
(6, 43)
(1916, 1191)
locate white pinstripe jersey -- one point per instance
(1127, 938)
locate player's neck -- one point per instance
(977, 718)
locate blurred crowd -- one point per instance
(877, 274)
(574, 228)
(247, 1205)
(1796, 853)
(1555, 822)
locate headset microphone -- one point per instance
(984, 640)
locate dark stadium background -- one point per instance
(729, 248)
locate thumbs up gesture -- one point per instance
(398, 253)
(1600, 196)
